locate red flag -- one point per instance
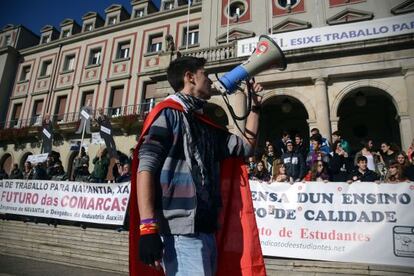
(237, 218)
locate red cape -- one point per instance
(238, 245)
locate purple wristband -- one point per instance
(150, 220)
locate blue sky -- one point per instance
(34, 14)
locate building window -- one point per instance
(139, 13)
(112, 20)
(36, 113)
(123, 50)
(237, 9)
(116, 102)
(88, 27)
(192, 35)
(46, 69)
(7, 40)
(17, 109)
(69, 63)
(155, 43)
(60, 108)
(168, 6)
(95, 57)
(87, 98)
(287, 4)
(45, 39)
(24, 75)
(65, 33)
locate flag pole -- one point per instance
(83, 135)
(188, 23)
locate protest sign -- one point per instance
(75, 201)
(363, 222)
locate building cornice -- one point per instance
(121, 26)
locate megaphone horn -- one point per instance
(267, 54)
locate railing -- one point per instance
(112, 112)
(217, 53)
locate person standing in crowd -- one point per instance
(318, 172)
(324, 144)
(300, 146)
(337, 136)
(340, 164)
(387, 153)
(410, 151)
(395, 173)
(124, 172)
(316, 154)
(100, 169)
(362, 173)
(39, 171)
(406, 166)
(28, 170)
(293, 162)
(269, 158)
(16, 173)
(279, 173)
(280, 144)
(3, 174)
(59, 173)
(260, 173)
(373, 158)
(81, 165)
(179, 156)
(251, 166)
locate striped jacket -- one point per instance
(162, 154)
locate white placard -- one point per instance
(85, 114)
(384, 27)
(47, 133)
(106, 130)
(76, 201)
(362, 223)
(37, 158)
(97, 139)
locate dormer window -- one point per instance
(112, 20)
(7, 40)
(45, 39)
(65, 33)
(139, 13)
(88, 27)
(168, 6)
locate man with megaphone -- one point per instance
(195, 213)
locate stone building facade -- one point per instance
(362, 87)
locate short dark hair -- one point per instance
(361, 158)
(314, 129)
(317, 138)
(178, 67)
(337, 133)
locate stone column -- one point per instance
(406, 131)
(334, 124)
(322, 107)
(409, 84)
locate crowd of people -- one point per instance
(53, 169)
(290, 159)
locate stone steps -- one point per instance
(107, 250)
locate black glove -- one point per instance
(150, 248)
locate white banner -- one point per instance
(47, 133)
(75, 201)
(106, 130)
(384, 27)
(363, 222)
(85, 114)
